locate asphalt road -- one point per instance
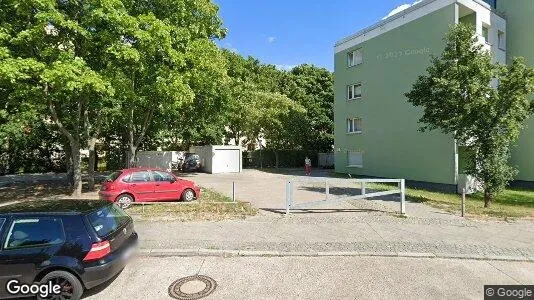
(318, 278)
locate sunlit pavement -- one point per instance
(317, 278)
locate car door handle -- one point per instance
(157, 184)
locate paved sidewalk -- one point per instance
(352, 233)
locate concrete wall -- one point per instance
(390, 141)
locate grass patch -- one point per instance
(212, 206)
(511, 203)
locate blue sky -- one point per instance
(291, 32)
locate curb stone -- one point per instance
(252, 253)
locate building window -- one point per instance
(355, 57)
(502, 40)
(355, 159)
(485, 34)
(354, 125)
(354, 91)
(492, 3)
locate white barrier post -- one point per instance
(363, 188)
(288, 196)
(403, 197)
(463, 202)
(233, 191)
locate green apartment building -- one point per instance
(376, 129)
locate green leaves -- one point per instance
(482, 104)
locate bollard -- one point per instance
(233, 191)
(463, 202)
(288, 196)
(403, 197)
(363, 188)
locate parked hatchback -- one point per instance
(144, 185)
(70, 245)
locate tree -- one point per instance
(255, 106)
(311, 87)
(458, 97)
(47, 61)
(160, 59)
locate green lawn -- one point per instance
(512, 203)
(211, 206)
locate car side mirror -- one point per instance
(173, 180)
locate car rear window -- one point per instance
(113, 176)
(107, 219)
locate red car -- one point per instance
(143, 185)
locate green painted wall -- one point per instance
(391, 144)
(520, 42)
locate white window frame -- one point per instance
(348, 159)
(351, 58)
(351, 126)
(350, 91)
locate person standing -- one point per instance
(307, 166)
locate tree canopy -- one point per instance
(136, 75)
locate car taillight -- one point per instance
(98, 251)
(108, 187)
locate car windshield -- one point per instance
(107, 219)
(113, 176)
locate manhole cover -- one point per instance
(192, 287)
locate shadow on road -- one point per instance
(322, 210)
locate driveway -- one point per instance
(267, 190)
(318, 278)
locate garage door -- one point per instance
(226, 161)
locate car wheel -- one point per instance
(71, 287)
(124, 201)
(188, 195)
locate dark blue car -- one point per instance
(56, 249)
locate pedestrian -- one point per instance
(307, 166)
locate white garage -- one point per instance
(220, 159)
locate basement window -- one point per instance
(355, 159)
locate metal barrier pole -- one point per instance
(403, 197)
(233, 191)
(363, 188)
(288, 197)
(327, 187)
(463, 202)
(291, 194)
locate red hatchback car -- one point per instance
(143, 185)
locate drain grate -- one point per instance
(192, 287)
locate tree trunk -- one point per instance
(487, 199)
(91, 164)
(133, 156)
(76, 168)
(276, 158)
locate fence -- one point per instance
(290, 194)
(326, 160)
